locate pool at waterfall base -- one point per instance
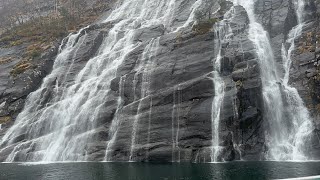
(153, 171)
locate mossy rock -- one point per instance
(20, 68)
(33, 51)
(5, 60)
(307, 44)
(5, 119)
(7, 39)
(239, 84)
(16, 43)
(204, 27)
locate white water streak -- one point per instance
(223, 33)
(191, 17)
(68, 118)
(143, 68)
(175, 123)
(299, 115)
(288, 118)
(149, 128)
(113, 130)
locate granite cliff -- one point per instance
(157, 104)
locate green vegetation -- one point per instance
(36, 31)
(239, 84)
(67, 16)
(308, 43)
(204, 18)
(4, 60)
(40, 32)
(203, 27)
(16, 43)
(5, 119)
(20, 68)
(34, 51)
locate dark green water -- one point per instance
(147, 171)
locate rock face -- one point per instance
(15, 88)
(167, 106)
(305, 70)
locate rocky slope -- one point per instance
(170, 113)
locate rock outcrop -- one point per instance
(16, 87)
(171, 99)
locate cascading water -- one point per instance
(162, 13)
(299, 115)
(175, 118)
(144, 67)
(32, 119)
(223, 32)
(288, 118)
(59, 118)
(149, 127)
(293, 34)
(191, 18)
(116, 122)
(70, 116)
(59, 129)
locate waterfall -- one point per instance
(293, 34)
(149, 128)
(175, 118)
(216, 105)
(299, 115)
(61, 128)
(62, 119)
(143, 68)
(152, 13)
(191, 18)
(288, 118)
(113, 130)
(32, 119)
(59, 118)
(223, 32)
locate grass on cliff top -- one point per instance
(37, 31)
(52, 27)
(39, 35)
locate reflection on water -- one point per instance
(148, 171)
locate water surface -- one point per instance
(149, 171)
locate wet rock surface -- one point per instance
(305, 69)
(173, 108)
(15, 88)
